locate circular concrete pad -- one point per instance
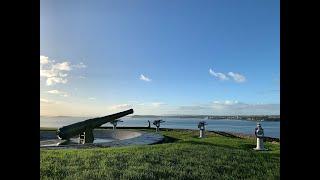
(103, 138)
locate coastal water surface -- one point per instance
(271, 128)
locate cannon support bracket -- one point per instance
(86, 137)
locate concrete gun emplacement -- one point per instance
(84, 129)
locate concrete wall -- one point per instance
(117, 134)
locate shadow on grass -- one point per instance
(207, 144)
(244, 146)
(168, 139)
(247, 146)
(225, 134)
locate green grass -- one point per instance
(183, 156)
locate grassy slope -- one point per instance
(185, 157)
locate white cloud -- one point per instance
(54, 92)
(144, 78)
(54, 80)
(237, 77)
(120, 106)
(55, 73)
(44, 100)
(227, 102)
(64, 66)
(218, 75)
(193, 108)
(222, 104)
(92, 98)
(47, 101)
(64, 94)
(80, 65)
(44, 60)
(147, 104)
(238, 108)
(228, 107)
(157, 104)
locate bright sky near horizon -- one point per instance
(159, 57)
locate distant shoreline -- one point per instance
(242, 117)
(206, 117)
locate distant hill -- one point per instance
(146, 116)
(235, 117)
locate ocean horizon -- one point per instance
(271, 128)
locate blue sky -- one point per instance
(159, 57)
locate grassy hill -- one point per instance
(182, 156)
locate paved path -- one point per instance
(144, 139)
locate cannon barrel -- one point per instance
(69, 131)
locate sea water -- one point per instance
(271, 128)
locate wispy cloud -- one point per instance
(56, 73)
(239, 78)
(44, 100)
(226, 102)
(54, 92)
(192, 108)
(44, 60)
(147, 104)
(230, 107)
(157, 104)
(92, 98)
(79, 66)
(120, 106)
(218, 75)
(144, 78)
(64, 94)
(47, 101)
(236, 107)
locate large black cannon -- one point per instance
(84, 129)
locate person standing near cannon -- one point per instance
(148, 124)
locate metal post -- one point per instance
(260, 145)
(201, 133)
(86, 137)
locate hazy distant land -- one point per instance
(236, 117)
(225, 117)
